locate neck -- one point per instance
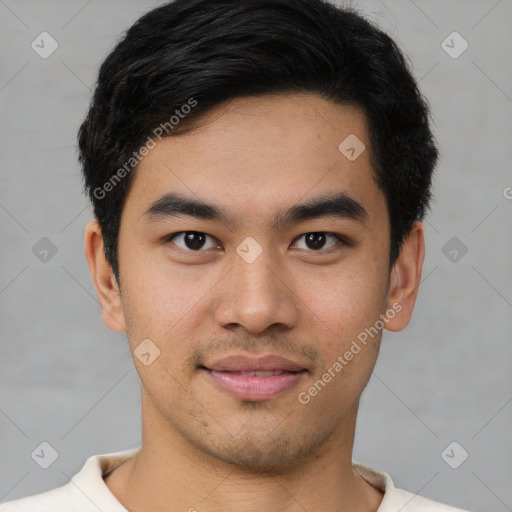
(170, 473)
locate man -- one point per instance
(258, 171)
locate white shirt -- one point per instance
(87, 491)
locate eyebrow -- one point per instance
(339, 205)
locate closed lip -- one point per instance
(245, 363)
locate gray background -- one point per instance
(67, 380)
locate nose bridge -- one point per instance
(255, 277)
(255, 260)
(256, 296)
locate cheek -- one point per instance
(342, 325)
(156, 293)
(343, 302)
(161, 306)
(342, 309)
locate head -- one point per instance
(258, 172)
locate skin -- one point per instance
(202, 448)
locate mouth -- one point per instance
(254, 379)
(258, 373)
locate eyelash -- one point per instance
(341, 240)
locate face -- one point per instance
(254, 298)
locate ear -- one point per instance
(103, 278)
(405, 279)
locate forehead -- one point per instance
(254, 154)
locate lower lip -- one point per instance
(251, 387)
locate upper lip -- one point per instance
(242, 363)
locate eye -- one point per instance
(191, 241)
(197, 241)
(317, 240)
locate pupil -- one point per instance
(194, 240)
(315, 240)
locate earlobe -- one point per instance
(105, 283)
(405, 279)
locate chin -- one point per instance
(274, 452)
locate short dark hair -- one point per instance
(201, 53)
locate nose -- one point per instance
(256, 296)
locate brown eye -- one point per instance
(316, 241)
(192, 241)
